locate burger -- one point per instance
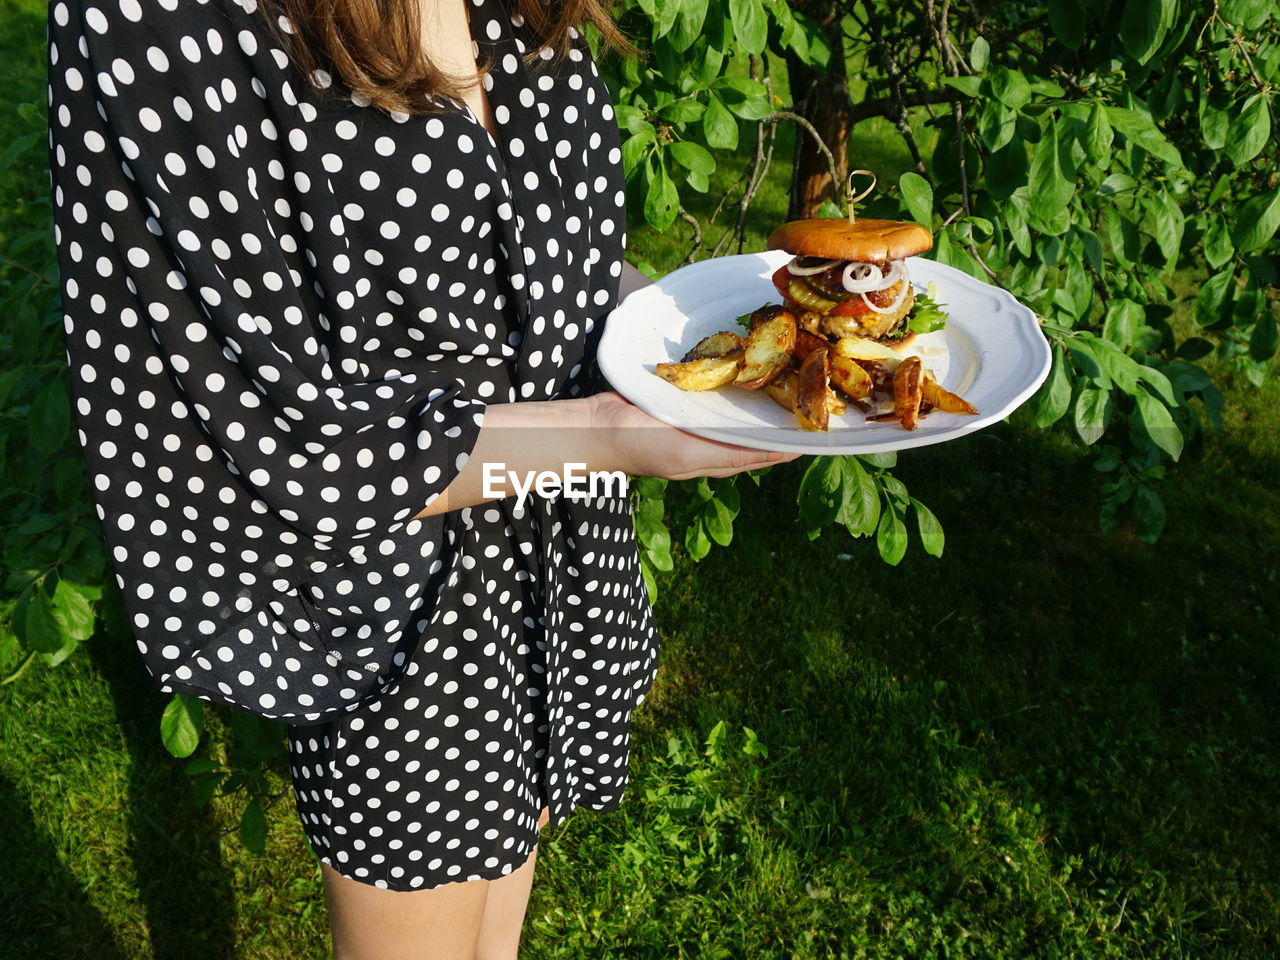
(849, 279)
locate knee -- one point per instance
(544, 818)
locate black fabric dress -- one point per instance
(285, 316)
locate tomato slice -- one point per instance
(782, 281)
(850, 308)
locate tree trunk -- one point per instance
(822, 98)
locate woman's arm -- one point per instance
(601, 433)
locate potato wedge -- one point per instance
(836, 406)
(812, 411)
(944, 400)
(907, 382)
(807, 342)
(705, 374)
(717, 345)
(860, 348)
(764, 314)
(849, 377)
(785, 390)
(768, 352)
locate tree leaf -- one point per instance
(1262, 343)
(1143, 26)
(73, 609)
(634, 149)
(1218, 248)
(662, 200)
(970, 86)
(918, 196)
(688, 26)
(1010, 87)
(181, 725)
(1257, 221)
(39, 628)
(718, 125)
(1158, 424)
(891, 535)
(1212, 298)
(1250, 130)
(749, 24)
(931, 536)
(980, 54)
(997, 125)
(684, 110)
(1092, 413)
(1143, 132)
(49, 419)
(1214, 124)
(1066, 17)
(745, 97)
(1148, 514)
(1117, 183)
(692, 156)
(821, 495)
(1053, 399)
(860, 506)
(1050, 186)
(1098, 136)
(1123, 321)
(253, 827)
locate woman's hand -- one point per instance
(636, 443)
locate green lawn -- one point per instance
(1049, 743)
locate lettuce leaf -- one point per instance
(927, 315)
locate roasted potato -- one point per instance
(944, 400)
(860, 348)
(812, 410)
(907, 382)
(807, 342)
(705, 374)
(785, 389)
(717, 345)
(849, 377)
(769, 347)
(764, 315)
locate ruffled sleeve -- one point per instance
(237, 441)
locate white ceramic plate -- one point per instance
(991, 352)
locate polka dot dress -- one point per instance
(285, 317)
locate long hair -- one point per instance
(375, 46)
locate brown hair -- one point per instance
(375, 46)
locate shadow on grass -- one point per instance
(1046, 705)
(44, 914)
(180, 878)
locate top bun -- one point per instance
(864, 241)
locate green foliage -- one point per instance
(1115, 181)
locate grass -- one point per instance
(1049, 743)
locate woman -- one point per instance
(321, 264)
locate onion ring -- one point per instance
(897, 301)
(796, 270)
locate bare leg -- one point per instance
(504, 911)
(370, 923)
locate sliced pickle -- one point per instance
(807, 297)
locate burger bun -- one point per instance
(863, 241)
